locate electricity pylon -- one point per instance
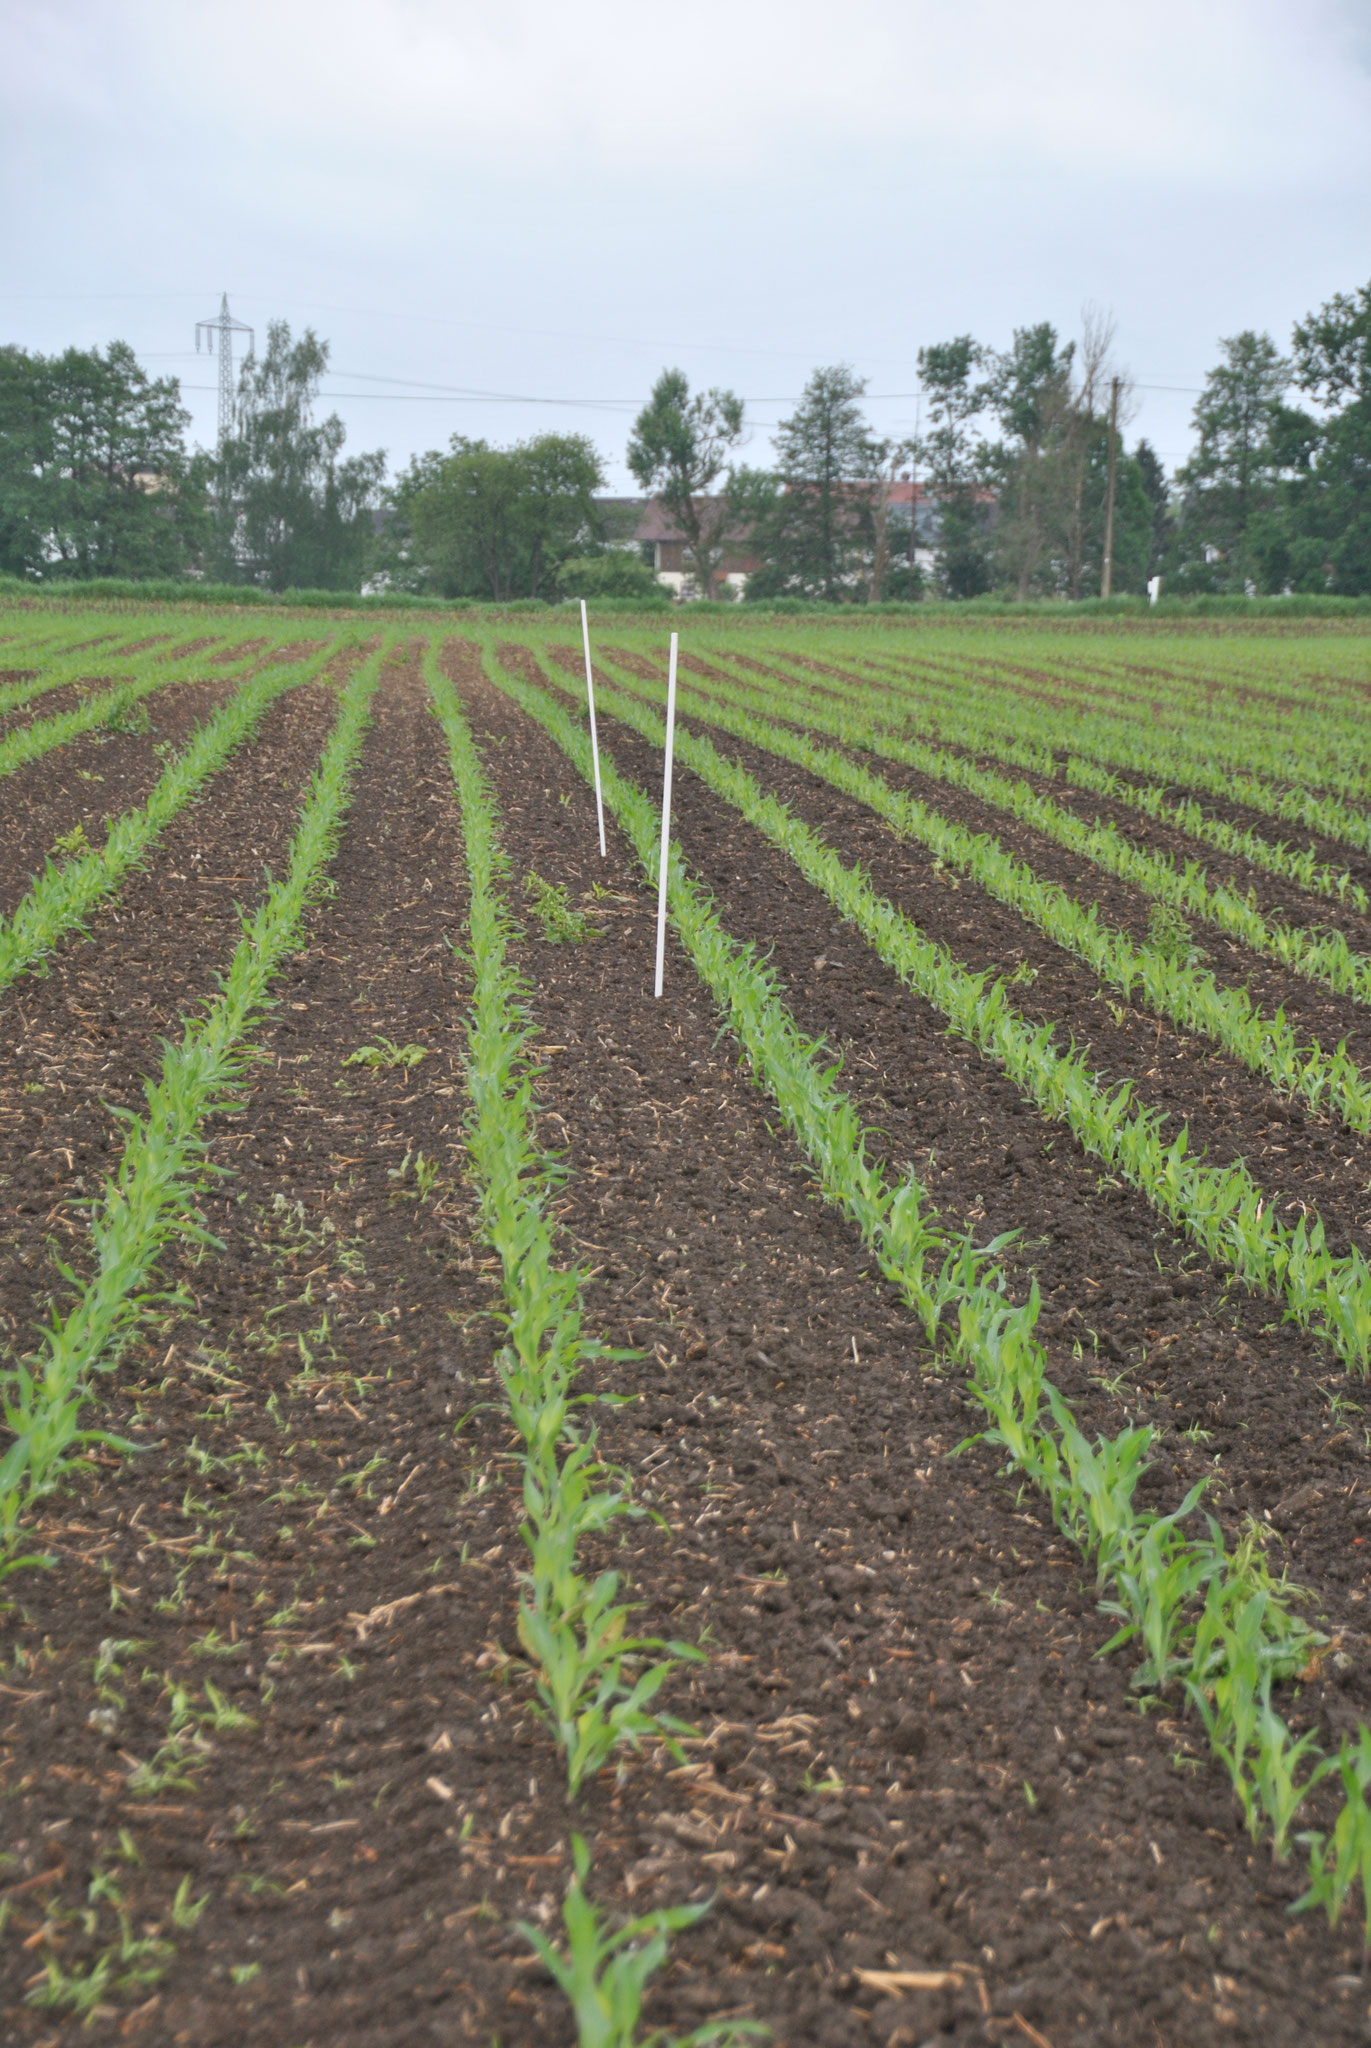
(225, 327)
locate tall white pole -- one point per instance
(666, 816)
(594, 739)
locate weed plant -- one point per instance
(552, 907)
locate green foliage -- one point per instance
(1169, 934)
(817, 536)
(386, 1054)
(604, 1975)
(617, 572)
(498, 522)
(678, 452)
(68, 844)
(552, 908)
(95, 479)
(1233, 477)
(290, 510)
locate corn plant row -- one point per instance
(1224, 1209)
(594, 1688)
(110, 708)
(1278, 751)
(1190, 997)
(1275, 856)
(1319, 956)
(151, 1198)
(1189, 759)
(1185, 815)
(64, 896)
(59, 669)
(1186, 709)
(1207, 1619)
(969, 710)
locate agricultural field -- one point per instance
(829, 1507)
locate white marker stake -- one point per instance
(594, 741)
(666, 816)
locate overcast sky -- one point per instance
(538, 201)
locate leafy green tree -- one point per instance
(1158, 493)
(499, 522)
(25, 455)
(1330, 490)
(819, 532)
(952, 460)
(1029, 388)
(679, 451)
(615, 572)
(292, 513)
(1233, 477)
(95, 479)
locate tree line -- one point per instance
(1010, 465)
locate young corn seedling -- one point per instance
(1342, 1859)
(604, 1975)
(592, 1693)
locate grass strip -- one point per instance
(1210, 1620)
(1158, 972)
(594, 1689)
(63, 897)
(150, 1199)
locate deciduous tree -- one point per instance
(292, 512)
(499, 522)
(95, 479)
(679, 451)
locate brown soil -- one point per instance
(91, 780)
(82, 1037)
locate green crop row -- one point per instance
(1169, 984)
(1208, 1619)
(1334, 760)
(1322, 957)
(65, 895)
(114, 709)
(1222, 1208)
(151, 1198)
(1289, 786)
(595, 1682)
(1155, 801)
(592, 1694)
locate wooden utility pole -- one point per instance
(1107, 573)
